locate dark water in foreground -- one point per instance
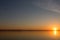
(30, 35)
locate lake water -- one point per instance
(30, 35)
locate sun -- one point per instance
(55, 29)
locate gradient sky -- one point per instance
(29, 13)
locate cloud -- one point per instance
(51, 5)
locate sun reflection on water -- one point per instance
(55, 32)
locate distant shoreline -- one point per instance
(27, 30)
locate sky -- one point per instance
(29, 14)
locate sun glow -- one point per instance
(55, 30)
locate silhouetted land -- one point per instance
(24, 30)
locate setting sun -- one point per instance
(55, 29)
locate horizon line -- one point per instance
(24, 30)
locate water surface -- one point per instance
(29, 35)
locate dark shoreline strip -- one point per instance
(29, 30)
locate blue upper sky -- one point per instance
(29, 13)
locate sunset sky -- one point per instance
(29, 14)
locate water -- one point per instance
(30, 35)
